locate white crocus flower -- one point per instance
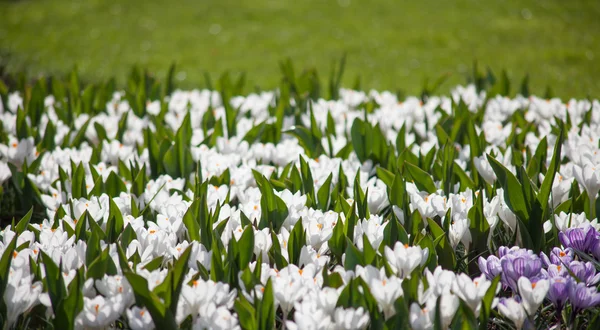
(96, 207)
(471, 290)
(350, 318)
(564, 221)
(560, 188)
(404, 259)
(110, 286)
(459, 231)
(448, 306)
(20, 294)
(505, 213)
(532, 294)
(196, 298)
(5, 173)
(310, 256)
(485, 169)
(514, 311)
(440, 281)
(17, 151)
(318, 231)
(98, 312)
(262, 243)
(386, 291)
(377, 198)
(139, 319)
(421, 318)
(588, 176)
(308, 315)
(200, 255)
(216, 317)
(290, 286)
(14, 102)
(373, 228)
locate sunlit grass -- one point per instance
(390, 44)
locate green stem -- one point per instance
(592, 208)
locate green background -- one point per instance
(390, 44)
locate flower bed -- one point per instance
(155, 207)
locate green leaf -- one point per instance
(369, 253)
(296, 242)
(217, 273)
(308, 184)
(48, 142)
(266, 308)
(398, 192)
(386, 176)
(114, 185)
(246, 247)
(479, 226)
(127, 236)
(353, 256)
(78, 185)
(189, 220)
(255, 133)
(400, 320)
(362, 141)
(333, 280)
(5, 262)
(330, 128)
(544, 193)
(427, 242)
(54, 282)
(35, 106)
(337, 242)
(162, 317)
(513, 192)
(274, 211)
(422, 179)
(401, 139)
(115, 223)
(465, 180)
(68, 309)
(486, 304)
(23, 223)
(323, 194)
(22, 128)
(80, 136)
(100, 266)
(178, 273)
(444, 250)
(246, 313)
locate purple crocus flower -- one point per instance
(559, 291)
(585, 272)
(503, 250)
(517, 264)
(491, 267)
(581, 238)
(595, 249)
(556, 271)
(557, 256)
(583, 297)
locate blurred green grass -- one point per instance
(390, 44)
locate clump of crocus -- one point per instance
(517, 263)
(512, 264)
(582, 296)
(557, 256)
(559, 292)
(582, 238)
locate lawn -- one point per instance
(390, 44)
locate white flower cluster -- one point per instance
(154, 219)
